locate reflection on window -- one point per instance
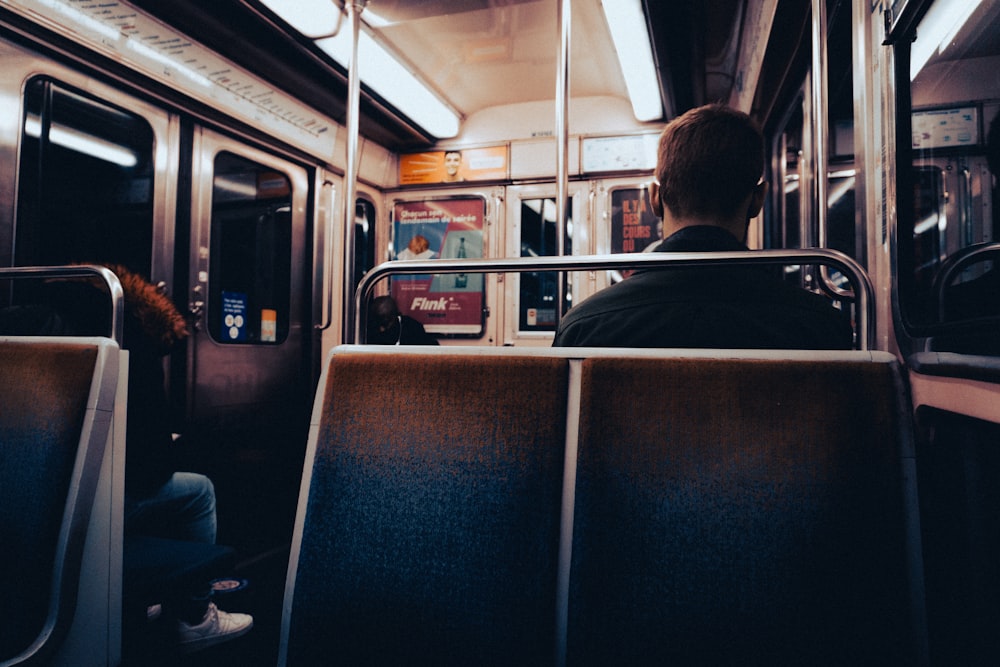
(539, 289)
(251, 249)
(86, 182)
(364, 240)
(950, 207)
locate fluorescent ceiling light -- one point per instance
(379, 70)
(81, 142)
(937, 30)
(399, 86)
(313, 18)
(628, 31)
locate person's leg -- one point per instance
(182, 509)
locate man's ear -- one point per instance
(654, 198)
(757, 199)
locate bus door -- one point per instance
(530, 298)
(247, 365)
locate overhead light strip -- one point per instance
(627, 24)
(379, 69)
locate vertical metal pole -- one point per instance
(565, 21)
(821, 121)
(354, 9)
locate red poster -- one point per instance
(634, 226)
(443, 228)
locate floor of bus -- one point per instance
(256, 487)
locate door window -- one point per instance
(251, 251)
(539, 289)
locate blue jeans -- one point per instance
(182, 509)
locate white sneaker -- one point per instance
(218, 626)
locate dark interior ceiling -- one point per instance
(694, 44)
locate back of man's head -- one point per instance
(709, 161)
(384, 311)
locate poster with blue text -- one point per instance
(440, 229)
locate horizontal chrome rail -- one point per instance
(79, 271)
(861, 284)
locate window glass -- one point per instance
(85, 191)
(364, 240)
(539, 289)
(250, 263)
(948, 185)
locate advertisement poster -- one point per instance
(945, 128)
(440, 229)
(634, 226)
(454, 166)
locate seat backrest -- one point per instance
(428, 526)
(56, 404)
(745, 511)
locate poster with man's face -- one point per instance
(453, 166)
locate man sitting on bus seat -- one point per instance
(386, 326)
(708, 187)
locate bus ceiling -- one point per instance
(696, 50)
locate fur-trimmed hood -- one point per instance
(151, 312)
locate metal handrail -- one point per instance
(864, 293)
(80, 271)
(956, 262)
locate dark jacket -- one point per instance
(712, 307)
(406, 331)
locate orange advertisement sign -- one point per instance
(454, 166)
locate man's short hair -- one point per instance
(709, 160)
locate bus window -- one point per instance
(947, 208)
(85, 191)
(251, 251)
(538, 289)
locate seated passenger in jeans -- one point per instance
(159, 502)
(708, 187)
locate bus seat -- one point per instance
(56, 404)
(745, 511)
(428, 526)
